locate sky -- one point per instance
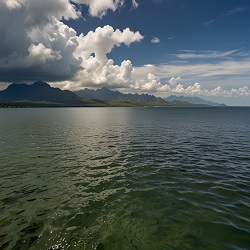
(162, 47)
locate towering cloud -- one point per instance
(97, 68)
(36, 44)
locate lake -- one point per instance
(125, 178)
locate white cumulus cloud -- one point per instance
(150, 84)
(40, 54)
(102, 41)
(174, 80)
(134, 4)
(97, 68)
(100, 7)
(197, 90)
(155, 40)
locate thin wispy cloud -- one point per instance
(235, 11)
(171, 37)
(198, 70)
(244, 53)
(205, 54)
(157, 1)
(208, 23)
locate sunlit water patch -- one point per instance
(125, 178)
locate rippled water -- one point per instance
(125, 178)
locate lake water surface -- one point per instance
(125, 178)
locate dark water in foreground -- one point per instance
(125, 178)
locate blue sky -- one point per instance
(221, 25)
(163, 47)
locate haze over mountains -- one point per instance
(107, 94)
(194, 100)
(42, 94)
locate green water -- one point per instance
(125, 178)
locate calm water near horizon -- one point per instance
(125, 178)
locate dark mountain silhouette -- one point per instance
(42, 94)
(38, 92)
(109, 95)
(193, 100)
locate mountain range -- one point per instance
(194, 100)
(109, 95)
(106, 94)
(42, 94)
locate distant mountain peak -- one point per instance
(41, 83)
(15, 85)
(35, 84)
(38, 92)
